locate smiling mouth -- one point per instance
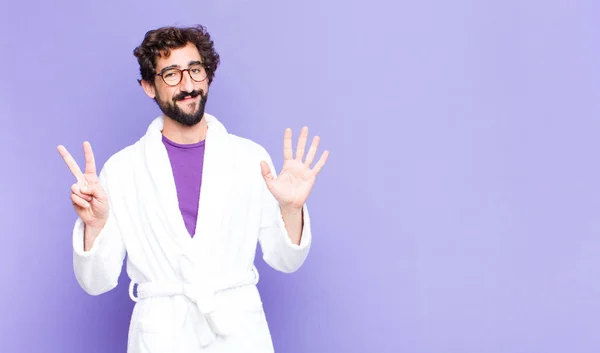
(188, 99)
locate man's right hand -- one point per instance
(87, 195)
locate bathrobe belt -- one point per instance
(216, 319)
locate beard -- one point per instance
(172, 110)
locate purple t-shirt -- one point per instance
(186, 162)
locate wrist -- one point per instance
(91, 232)
(290, 210)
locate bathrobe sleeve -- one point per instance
(278, 250)
(97, 271)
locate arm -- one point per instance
(285, 234)
(98, 253)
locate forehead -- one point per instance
(180, 57)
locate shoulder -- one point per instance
(241, 146)
(247, 148)
(121, 162)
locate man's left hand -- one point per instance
(293, 185)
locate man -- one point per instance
(189, 203)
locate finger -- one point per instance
(88, 189)
(301, 144)
(310, 156)
(78, 201)
(90, 162)
(71, 163)
(266, 171)
(321, 162)
(77, 190)
(287, 144)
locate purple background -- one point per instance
(460, 207)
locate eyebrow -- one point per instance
(193, 62)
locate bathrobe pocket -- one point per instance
(159, 328)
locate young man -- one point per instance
(188, 203)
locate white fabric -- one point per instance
(193, 294)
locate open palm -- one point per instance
(293, 184)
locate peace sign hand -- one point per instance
(87, 195)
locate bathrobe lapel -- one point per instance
(214, 195)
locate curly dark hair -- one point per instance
(160, 42)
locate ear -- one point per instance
(148, 88)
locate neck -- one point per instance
(183, 134)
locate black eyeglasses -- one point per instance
(172, 76)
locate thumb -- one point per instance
(266, 171)
(90, 189)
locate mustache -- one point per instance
(184, 95)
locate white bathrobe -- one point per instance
(192, 294)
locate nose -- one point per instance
(187, 84)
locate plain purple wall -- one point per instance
(459, 211)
